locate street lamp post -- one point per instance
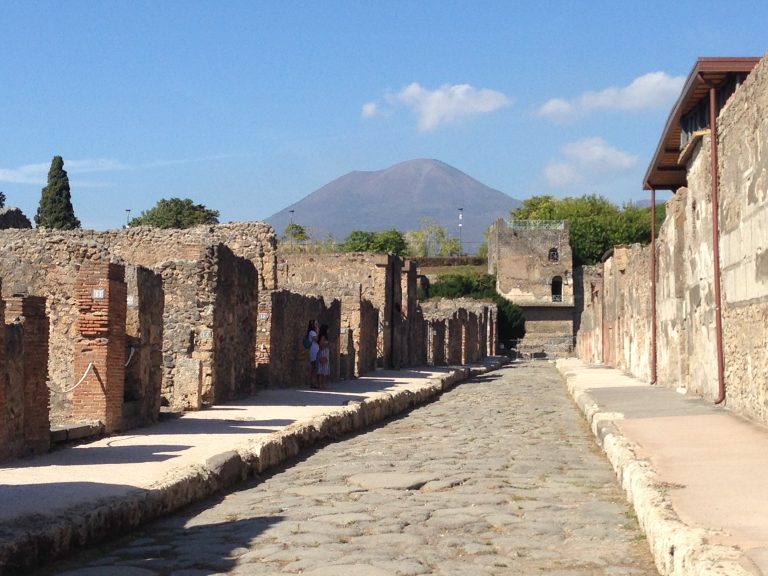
(290, 227)
(461, 217)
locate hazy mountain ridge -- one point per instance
(399, 197)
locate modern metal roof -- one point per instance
(666, 172)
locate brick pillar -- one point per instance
(35, 334)
(101, 300)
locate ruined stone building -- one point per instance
(534, 269)
(101, 329)
(690, 311)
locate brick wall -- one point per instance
(100, 349)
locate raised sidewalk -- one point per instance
(77, 496)
(694, 472)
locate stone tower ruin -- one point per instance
(534, 269)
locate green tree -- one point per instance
(176, 213)
(357, 241)
(389, 241)
(595, 224)
(431, 240)
(55, 209)
(2, 200)
(296, 232)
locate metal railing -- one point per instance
(536, 224)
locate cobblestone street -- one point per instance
(499, 476)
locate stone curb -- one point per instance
(37, 540)
(678, 549)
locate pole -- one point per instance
(461, 245)
(653, 286)
(290, 227)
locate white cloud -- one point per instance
(560, 175)
(652, 90)
(369, 110)
(596, 152)
(38, 173)
(590, 159)
(443, 105)
(27, 174)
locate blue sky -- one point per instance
(248, 106)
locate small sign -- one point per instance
(263, 316)
(206, 334)
(131, 301)
(98, 293)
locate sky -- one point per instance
(248, 106)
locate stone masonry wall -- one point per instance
(520, 260)
(456, 330)
(46, 261)
(359, 280)
(589, 341)
(686, 307)
(24, 399)
(288, 364)
(144, 338)
(743, 162)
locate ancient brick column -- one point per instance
(101, 300)
(35, 334)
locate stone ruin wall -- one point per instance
(288, 359)
(195, 327)
(686, 347)
(357, 279)
(458, 331)
(24, 406)
(188, 261)
(520, 260)
(743, 160)
(589, 314)
(47, 263)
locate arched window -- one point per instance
(557, 289)
(554, 255)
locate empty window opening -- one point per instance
(554, 255)
(557, 289)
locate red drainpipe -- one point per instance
(653, 285)
(716, 244)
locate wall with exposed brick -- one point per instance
(101, 295)
(24, 398)
(45, 261)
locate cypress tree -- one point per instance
(55, 209)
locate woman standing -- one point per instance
(323, 359)
(313, 350)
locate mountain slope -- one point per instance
(400, 197)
